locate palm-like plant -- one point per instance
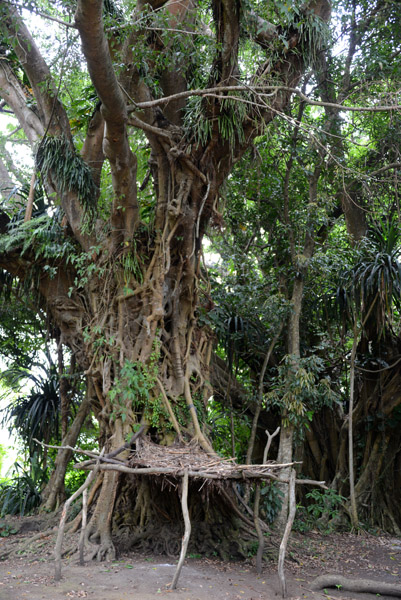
(21, 494)
(370, 291)
(372, 288)
(36, 414)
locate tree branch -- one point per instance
(44, 15)
(51, 111)
(13, 93)
(227, 25)
(51, 115)
(92, 151)
(259, 90)
(6, 183)
(88, 19)
(262, 32)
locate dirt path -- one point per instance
(135, 577)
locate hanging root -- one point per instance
(169, 410)
(192, 410)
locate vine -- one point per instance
(133, 391)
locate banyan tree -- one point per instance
(135, 114)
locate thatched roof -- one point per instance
(151, 458)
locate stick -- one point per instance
(81, 542)
(59, 540)
(187, 532)
(31, 197)
(287, 531)
(127, 445)
(96, 455)
(271, 465)
(73, 526)
(178, 472)
(270, 437)
(261, 538)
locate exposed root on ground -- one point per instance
(27, 545)
(356, 585)
(105, 550)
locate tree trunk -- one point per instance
(285, 453)
(376, 418)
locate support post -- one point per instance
(287, 531)
(81, 543)
(187, 531)
(59, 540)
(261, 546)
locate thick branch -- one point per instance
(228, 36)
(262, 31)
(51, 112)
(6, 183)
(14, 95)
(51, 117)
(116, 147)
(172, 79)
(88, 19)
(92, 151)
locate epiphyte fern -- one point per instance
(57, 158)
(42, 235)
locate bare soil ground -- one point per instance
(136, 577)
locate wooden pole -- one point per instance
(31, 197)
(287, 531)
(81, 543)
(261, 539)
(59, 540)
(261, 546)
(187, 531)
